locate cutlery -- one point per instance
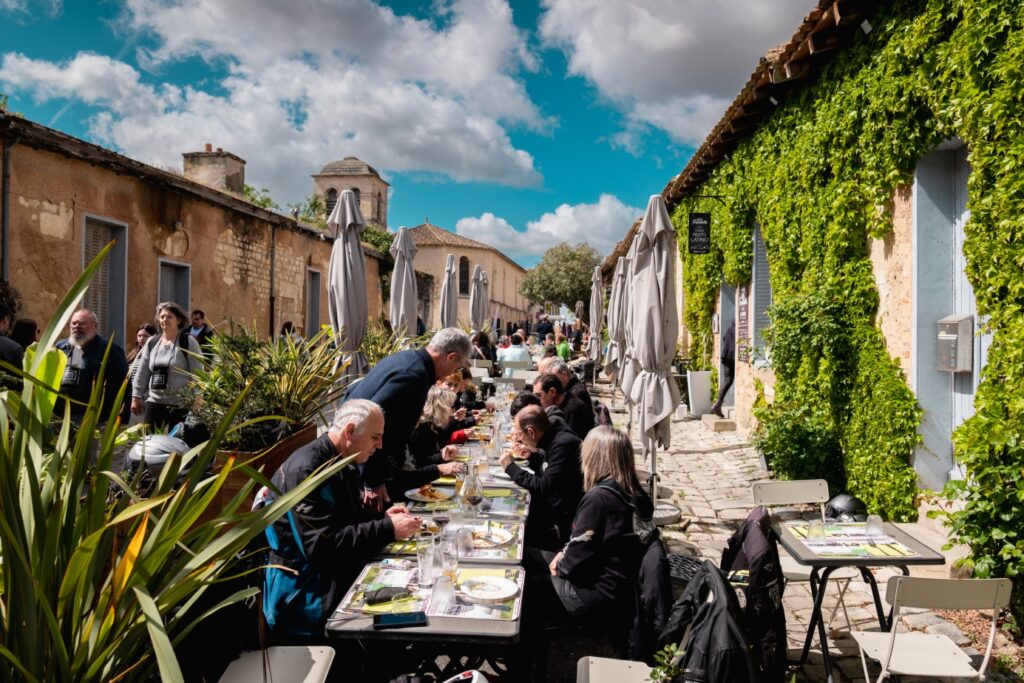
(465, 600)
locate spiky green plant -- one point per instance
(379, 342)
(100, 587)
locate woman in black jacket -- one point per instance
(595, 575)
(427, 443)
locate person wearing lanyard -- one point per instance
(164, 364)
(85, 350)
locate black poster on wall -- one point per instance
(700, 233)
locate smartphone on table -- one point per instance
(400, 620)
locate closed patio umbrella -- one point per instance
(616, 321)
(628, 367)
(346, 291)
(403, 285)
(655, 328)
(478, 299)
(578, 309)
(449, 294)
(596, 318)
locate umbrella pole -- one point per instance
(654, 475)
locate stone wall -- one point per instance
(228, 251)
(892, 261)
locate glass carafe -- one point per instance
(472, 490)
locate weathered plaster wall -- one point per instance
(892, 260)
(228, 251)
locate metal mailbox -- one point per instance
(956, 343)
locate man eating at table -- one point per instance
(556, 488)
(320, 546)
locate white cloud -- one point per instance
(601, 225)
(671, 64)
(309, 82)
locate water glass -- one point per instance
(450, 559)
(874, 526)
(444, 593)
(425, 549)
(815, 530)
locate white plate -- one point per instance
(501, 537)
(438, 495)
(499, 473)
(490, 588)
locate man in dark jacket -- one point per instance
(399, 385)
(85, 350)
(728, 367)
(578, 406)
(557, 486)
(329, 536)
(557, 403)
(202, 332)
(10, 350)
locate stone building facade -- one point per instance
(433, 245)
(192, 238)
(354, 174)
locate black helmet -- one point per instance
(846, 508)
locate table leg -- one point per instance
(818, 586)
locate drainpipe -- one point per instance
(273, 258)
(5, 217)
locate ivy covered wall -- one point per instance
(818, 177)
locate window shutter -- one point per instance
(97, 297)
(762, 290)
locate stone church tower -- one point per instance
(354, 174)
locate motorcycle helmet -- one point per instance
(154, 450)
(846, 508)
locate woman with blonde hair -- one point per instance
(595, 575)
(427, 443)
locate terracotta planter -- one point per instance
(267, 461)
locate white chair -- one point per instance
(800, 492)
(301, 664)
(477, 363)
(480, 374)
(927, 654)
(517, 382)
(515, 364)
(605, 670)
(528, 376)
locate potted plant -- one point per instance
(698, 375)
(291, 386)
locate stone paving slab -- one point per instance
(710, 475)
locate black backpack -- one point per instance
(751, 559)
(707, 624)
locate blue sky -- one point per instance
(521, 124)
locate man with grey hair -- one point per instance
(577, 406)
(85, 350)
(399, 385)
(330, 535)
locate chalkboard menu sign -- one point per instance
(743, 323)
(700, 233)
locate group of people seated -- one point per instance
(402, 422)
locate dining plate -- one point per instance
(490, 588)
(429, 494)
(498, 537)
(499, 473)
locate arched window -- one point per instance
(464, 275)
(355, 191)
(332, 199)
(379, 209)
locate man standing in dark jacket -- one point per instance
(85, 350)
(399, 385)
(557, 486)
(327, 538)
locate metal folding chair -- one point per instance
(300, 664)
(932, 654)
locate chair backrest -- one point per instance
(289, 664)
(917, 591)
(529, 375)
(770, 493)
(515, 364)
(517, 382)
(478, 363)
(479, 373)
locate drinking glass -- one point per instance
(425, 548)
(816, 530)
(450, 558)
(874, 526)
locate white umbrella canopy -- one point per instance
(596, 316)
(346, 291)
(578, 309)
(402, 310)
(628, 367)
(449, 294)
(655, 325)
(616, 321)
(478, 299)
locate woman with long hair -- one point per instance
(427, 443)
(595, 575)
(163, 368)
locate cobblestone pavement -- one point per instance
(708, 475)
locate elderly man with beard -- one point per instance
(85, 350)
